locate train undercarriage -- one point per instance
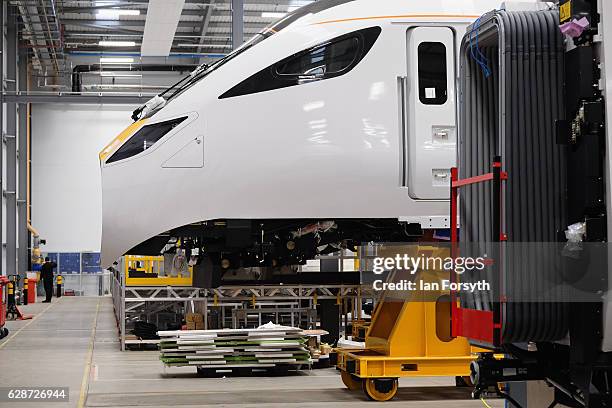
(217, 247)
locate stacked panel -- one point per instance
(234, 348)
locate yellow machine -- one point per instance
(360, 328)
(409, 336)
(153, 266)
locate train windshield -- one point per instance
(204, 69)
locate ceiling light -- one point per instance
(116, 60)
(269, 14)
(113, 14)
(116, 75)
(117, 43)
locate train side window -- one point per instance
(432, 73)
(332, 58)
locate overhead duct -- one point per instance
(162, 20)
(511, 96)
(77, 82)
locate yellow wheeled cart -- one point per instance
(410, 336)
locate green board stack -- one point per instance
(234, 348)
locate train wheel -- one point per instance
(352, 383)
(380, 389)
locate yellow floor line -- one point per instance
(5, 342)
(87, 370)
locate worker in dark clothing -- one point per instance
(46, 274)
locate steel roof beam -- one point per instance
(123, 23)
(205, 24)
(237, 23)
(114, 28)
(75, 98)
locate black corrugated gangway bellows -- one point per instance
(511, 96)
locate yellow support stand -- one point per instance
(152, 265)
(60, 282)
(409, 336)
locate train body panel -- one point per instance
(322, 150)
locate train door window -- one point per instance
(432, 73)
(331, 58)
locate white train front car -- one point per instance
(334, 126)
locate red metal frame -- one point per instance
(483, 326)
(3, 282)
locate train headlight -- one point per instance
(122, 137)
(129, 144)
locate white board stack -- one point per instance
(234, 348)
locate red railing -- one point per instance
(480, 325)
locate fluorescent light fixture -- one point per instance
(117, 43)
(270, 14)
(116, 60)
(113, 14)
(279, 14)
(119, 75)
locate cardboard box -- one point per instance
(194, 317)
(195, 325)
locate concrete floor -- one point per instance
(73, 342)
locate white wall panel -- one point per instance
(66, 190)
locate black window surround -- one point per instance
(330, 59)
(144, 139)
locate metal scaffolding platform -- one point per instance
(297, 301)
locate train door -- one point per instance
(429, 135)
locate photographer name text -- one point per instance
(443, 285)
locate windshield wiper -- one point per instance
(159, 101)
(203, 70)
(195, 76)
(185, 79)
(200, 72)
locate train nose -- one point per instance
(136, 168)
(132, 211)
